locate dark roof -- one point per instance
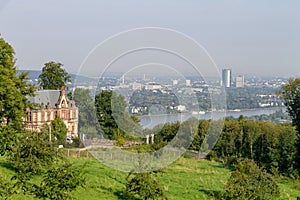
(45, 96)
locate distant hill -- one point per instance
(80, 80)
(32, 74)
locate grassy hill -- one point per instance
(185, 179)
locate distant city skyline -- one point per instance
(249, 37)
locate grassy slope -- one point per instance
(184, 179)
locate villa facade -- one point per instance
(52, 103)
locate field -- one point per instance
(185, 179)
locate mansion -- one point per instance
(52, 103)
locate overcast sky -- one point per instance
(250, 37)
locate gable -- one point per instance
(62, 101)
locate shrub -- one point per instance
(59, 181)
(248, 181)
(144, 186)
(34, 152)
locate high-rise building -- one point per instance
(239, 81)
(226, 78)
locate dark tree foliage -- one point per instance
(266, 151)
(104, 112)
(287, 149)
(86, 112)
(13, 88)
(275, 148)
(113, 117)
(169, 131)
(248, 181)
(272, 146)
(230, 143)
(164, 133)
(53, 76)
(200, 136)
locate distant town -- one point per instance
(165, 95)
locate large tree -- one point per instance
(104, 113)
(87, 113)
(53, 76)
(13, 87)
(112, 116)
(291, 95)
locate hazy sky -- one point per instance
(250, 37)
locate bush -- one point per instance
(212, 156)
(144, 186)
(59, 181)
(120, 141)
(34, 152)
(248, 181)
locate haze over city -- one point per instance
(253, 37)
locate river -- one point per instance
(149, 121)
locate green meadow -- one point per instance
(186, 178)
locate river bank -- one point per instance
(149, 121)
